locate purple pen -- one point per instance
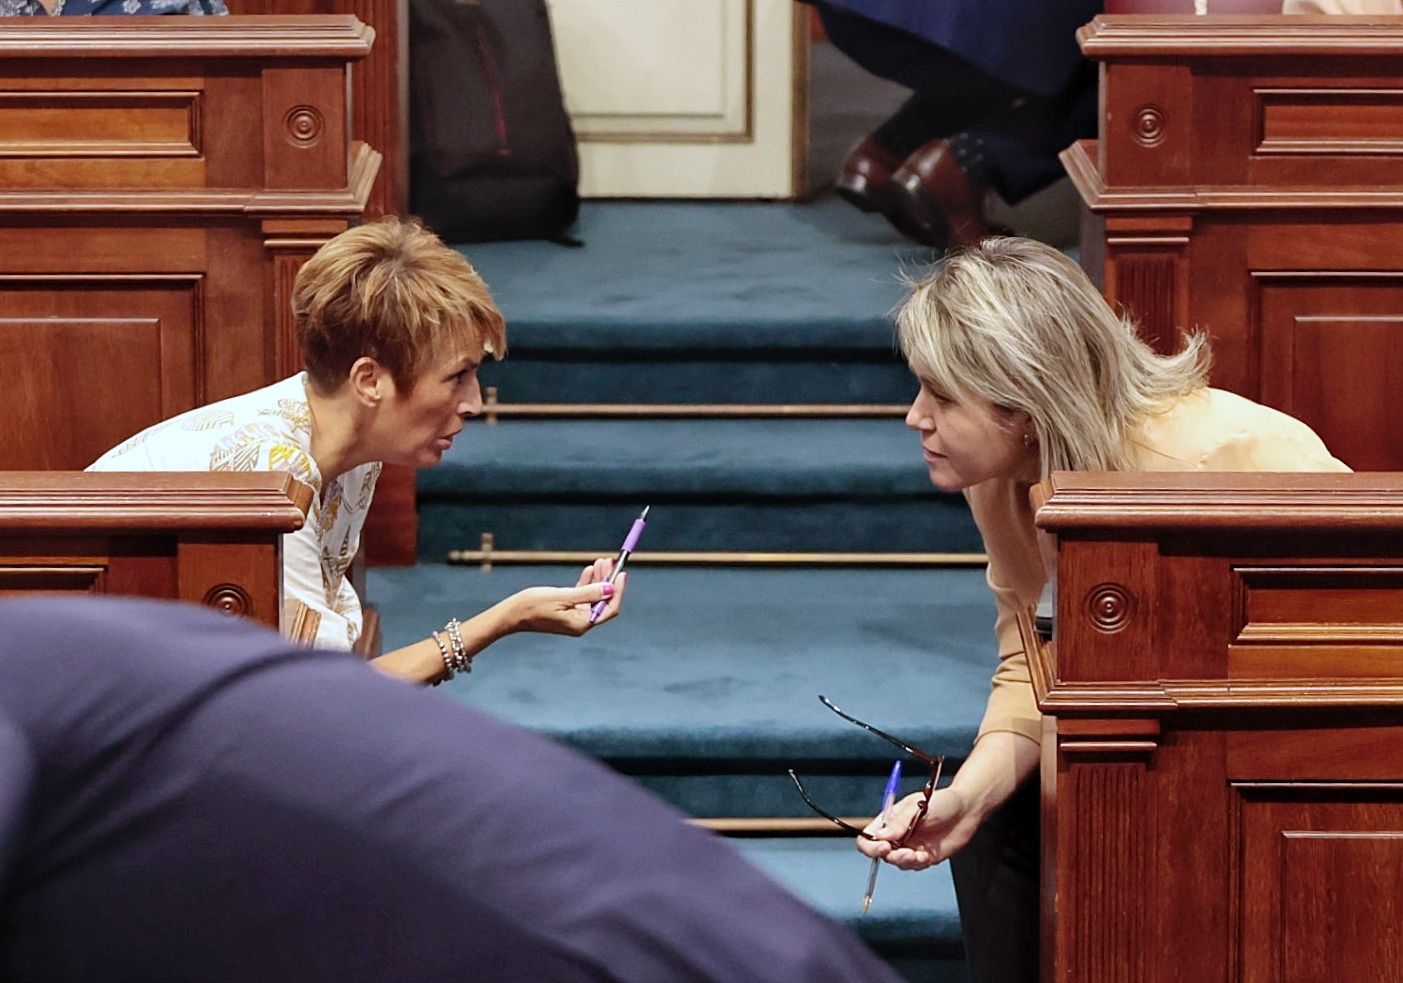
(630, 541)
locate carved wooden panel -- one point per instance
(1317, 621)
(1109, 856)
(237, 578)
(1322, 883)
(1323, 121)
(1147, 128)
(380, 101)
(62, 337)
(1105, 834)
(1147, 276)
(55, 124)
(1332, 356)
(1335, 131)
(288, 258)
(379, 88)
(305, 145)
(51, 579)
(1355, 747)
(1120, 603)
(111, 136)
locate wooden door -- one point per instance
(673, 98)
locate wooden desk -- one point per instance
(161, 181)
(1223, 760)
(1248, 181)
(211, 539)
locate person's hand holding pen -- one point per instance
(566, 610)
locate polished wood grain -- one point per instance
(379, 87)
(380, 118)
(1223, 767)
(153, 171)
(1245, 183)
(213, 539)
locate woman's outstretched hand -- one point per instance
(947, 826)
(565, 610)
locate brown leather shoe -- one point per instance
(865, 178)
(935, 201)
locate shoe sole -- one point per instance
(859, 193)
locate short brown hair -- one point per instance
(391, 290)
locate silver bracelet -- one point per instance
(462, 662)
(447, 657)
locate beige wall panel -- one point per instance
(682, 98)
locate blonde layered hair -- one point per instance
(390, 290)
(1019, 324)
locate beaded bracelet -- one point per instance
(447, 656)
(462, 661)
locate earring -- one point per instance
(1029, 440)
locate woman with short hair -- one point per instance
(392, 325)
(1024, 369)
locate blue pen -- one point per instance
(888, 797)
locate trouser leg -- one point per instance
(1017, 150)
(997, 886)
(948, 93)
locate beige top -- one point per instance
(1210, 430)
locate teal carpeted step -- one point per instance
(703, 302)
(800, 276)
(704, 691)
(715, 672)
(764, 377)
(758, 788)
(732, 485)
(779, 525)
(913, 921)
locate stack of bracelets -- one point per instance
(455, 654)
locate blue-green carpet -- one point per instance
(726, 663)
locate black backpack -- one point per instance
(492, 151)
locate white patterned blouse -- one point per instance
(270, 429)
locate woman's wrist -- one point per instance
(501, 619)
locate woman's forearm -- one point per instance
(996, 766)
(422, 662)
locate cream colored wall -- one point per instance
(685, 98)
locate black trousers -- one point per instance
(997, 886)
(1015, 135)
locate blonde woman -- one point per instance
(392, 325)
(1024, 370)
